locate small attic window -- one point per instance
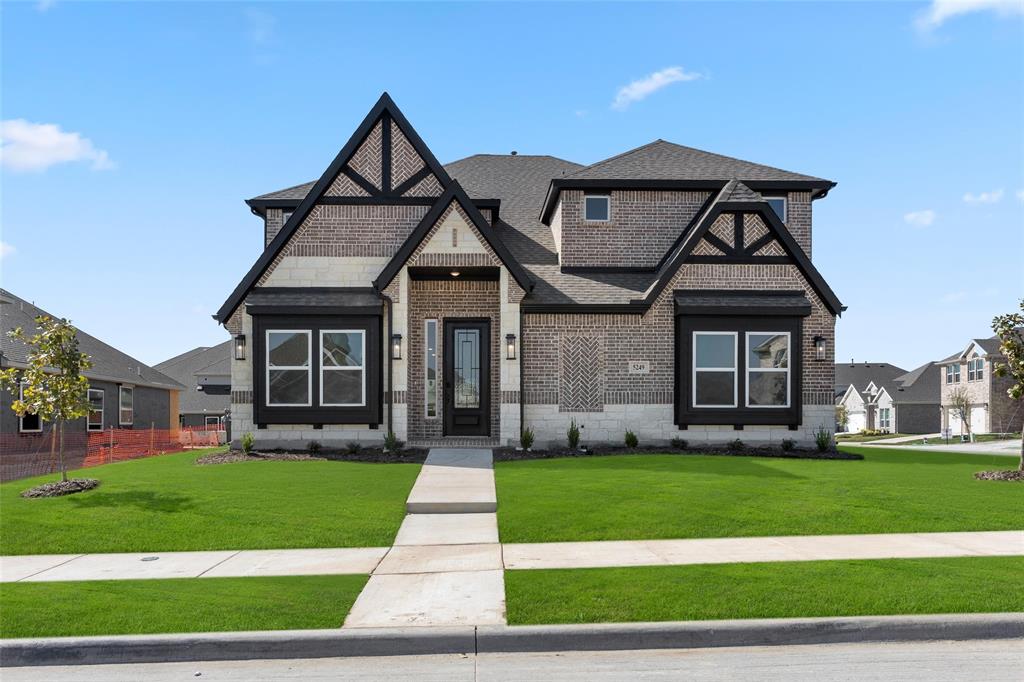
(597, 208)
(285, 215)
(778, 204)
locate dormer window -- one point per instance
(778, 205)
(597, 208)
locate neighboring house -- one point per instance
(992, 410)
(123, 392)
(882, 397)
(666, 290)
(206, 373)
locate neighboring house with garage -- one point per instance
(667, 290)
(124, 393)
(992, 410)
(883, 397)
(206, 374)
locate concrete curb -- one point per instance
(497, 639)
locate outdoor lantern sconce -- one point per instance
(396, 346)
(240, 347)
(819, 347)
(510, 346)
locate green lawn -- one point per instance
(860, 438)
(167, 503)
(638, 497)
(121, 607)
(765, 590)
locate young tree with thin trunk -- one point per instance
(960, 401)
(842, 417)
(1010, 330)
(52, 385)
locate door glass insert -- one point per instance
(466, 368)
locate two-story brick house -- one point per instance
(666, 290)
(992, 409)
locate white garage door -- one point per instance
(979, 420)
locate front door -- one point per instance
(467, 385)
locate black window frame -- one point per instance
(28, 415)
(103, 409)
(315, 414)
(741, 415)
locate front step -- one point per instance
(454, 481)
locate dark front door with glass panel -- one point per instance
(467, 378)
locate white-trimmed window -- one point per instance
(714, 369)
(94, 422)
(768, 374)
(126, 405)
(597, 208)
(342, 367)
(884, 418)
(212, 422)
(285, 215)
(289, 367)
(976, 369)
(30, 423)
(430, 366)
(778, 205)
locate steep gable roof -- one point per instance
(456, 194)
(384, 110)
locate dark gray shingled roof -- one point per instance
(661, 160)
(989, 345)
(298, 192)
(108, 363)
(860, 374)
(191, 368)
(920, 385)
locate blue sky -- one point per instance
(128, 218)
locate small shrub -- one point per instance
(314, 447)
(736, 446)
(679, 443)
(526, 438)
(823, 438)
(248, 440)
(631, 440)
(353, 448)
(573, 435)
(788, 444)
(391, 442)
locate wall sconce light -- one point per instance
(240, 347)
(819, 347)
(510, 346)
(396, 346)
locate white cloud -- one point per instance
(920, 218)
(26, 146)
(941, 11)
(580, 113)
(954, 296)
(648, 85)
(984, 197)
(6, 250)
(1020, 195)
(44, 5)
(259, 26)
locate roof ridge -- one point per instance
(615, 157)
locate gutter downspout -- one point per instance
(391, 360)
(522, 374)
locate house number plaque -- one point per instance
(639, 367)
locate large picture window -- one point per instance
(289, 368)
(126, 404)
(714, 369)
(342, 367)
(430, 366)
(95, 419)
(768, 369)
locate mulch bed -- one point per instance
(58, 488)
(511, 454)
(1007, 475)
(405, 455)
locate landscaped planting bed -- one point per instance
(168, 503)
(647, 497)
(765, 590)
(134, 607)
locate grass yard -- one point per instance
(122, 607)
(647, 497)
(765, 590)
(167, 503)
(860, 438)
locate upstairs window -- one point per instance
(953, 374)
(597, 208)
(126, 403)
(30, 423)
(95, 419)
(778, 205)
(975, 369)
(285, 215)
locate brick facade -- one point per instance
(993, 411)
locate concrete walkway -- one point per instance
(1008, 448)
(898, 439)
(446, 567)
